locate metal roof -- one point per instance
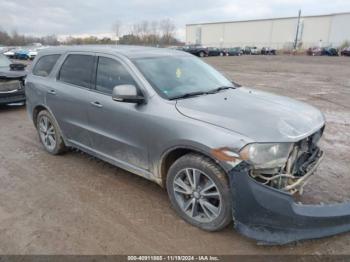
(267, 19)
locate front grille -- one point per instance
(10, 85)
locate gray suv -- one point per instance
(222, 151)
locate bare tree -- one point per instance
(136, 29)
(144, 27)
(154, 33)
(117, 28)
(167, 29)
(154, 27)
(15, 38)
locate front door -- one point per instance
(116, 127)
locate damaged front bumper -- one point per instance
(11, 91)
(271, 216)
(12, 97)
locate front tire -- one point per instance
(201, 54)
(199, 192)
(49, 133)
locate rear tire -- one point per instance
(201, 54)
(199, 192)
(49, 133)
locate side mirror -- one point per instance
(127, 94)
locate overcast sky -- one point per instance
(81, 17)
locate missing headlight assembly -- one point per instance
(285, 166)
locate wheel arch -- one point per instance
(36, 110)
(174, 153)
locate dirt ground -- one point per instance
(76, 204)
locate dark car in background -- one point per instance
(236, 51)
(345, 51)
(11, 81)
(247, 50)
(251, 50)
(214, 51)
(326, 51)
(314, 51)
(268, 51)
(330, 51)
(197, 50)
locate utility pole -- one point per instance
(297, 34)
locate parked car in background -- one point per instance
(345, 51)
(330, 51)
(326, 51)
(224, 152)
(314, 51)
(268, 51)
(214, 51)
(255, 51)
(197, 50)
(11, 81)
(10, 53)
(175, 47)
(32, 54)
(235, 51)
(22, 54)
(247, 50)
(251, 50)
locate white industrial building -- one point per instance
(320, 30)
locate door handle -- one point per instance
(96, 104)
(52, 92)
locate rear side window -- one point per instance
(45, 65)
(77, 70)
(111, 73)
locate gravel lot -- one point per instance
(76, 204)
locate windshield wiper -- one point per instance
(192, 94)
(199, 93)
(216, 90)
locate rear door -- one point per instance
(40, 80)
(69, 98)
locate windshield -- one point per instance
(4, 61)
(175, 76)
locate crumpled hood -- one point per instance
(261, 116)
(8, 73)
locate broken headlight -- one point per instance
(266, 155)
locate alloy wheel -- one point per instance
(197, 195)
(47, 133)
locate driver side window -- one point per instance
(111, 73)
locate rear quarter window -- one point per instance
(45, 65)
